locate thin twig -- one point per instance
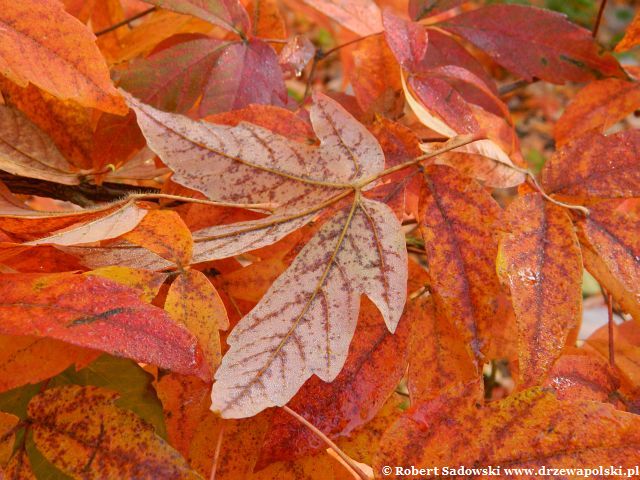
(275, 40)
(126, 21)
(452, 144)
(596, 26)
(312, 73)
(346, 44)
(347, 459)
(534, 182)
(252, 206)
(216, 455)
(512, 87)
(609, 300)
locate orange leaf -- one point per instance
(597, 106)
(360, 16)
(631, 37)
(30, 359)
(164, 233)
(71, 424)
(28, 151)
(595, 165)
(457, 221)
(196, 432)
(438, 356)
(527, 430)
(540, 261)
(42, 44)
(195, 303)
(611, 250)
(582, 375)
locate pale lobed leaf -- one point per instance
(250, 164)
(211, 243)
(121, 253)
(28, 151)
(222, 241)
(305, 322)
(112, 225)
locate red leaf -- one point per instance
(94, 312)
(532, 42)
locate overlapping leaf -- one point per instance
(532, 42)
(541, 263)
(457, 220)
(438, 355)
(595, 165)
(597, 106)
(229, 14)
(359, 16)
(42, 44)
(94, 312)
(220, 75)
(26, 150)
(257, 165)
(72, 424)
(529, 429)
(374, 365)
(611, 250)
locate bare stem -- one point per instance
(596, 26)
(536, 185)
(512, 87)
(126, 21)
(316, 431)
(451, 145)
(346, 44)
(216, 455)
(609, 300)
(251, 206)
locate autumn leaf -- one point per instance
(611, 250)
(26, 150)
(597, 106)
(94, 312)
(374, 365)
(300, 327)
(419, 9)
(31, 359)
(241, 151)
(595, 165)
(71, 424)
(532, 42)
(581, 375)
(212, 72)
(194, 302)
(42, 44)
(438, 355)
(540, 261)
(507, 433)
(631, 37)
(113, 224)
(67, 123)
(457, 221)
(229, 14)
(164, 233)
(359, 16)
